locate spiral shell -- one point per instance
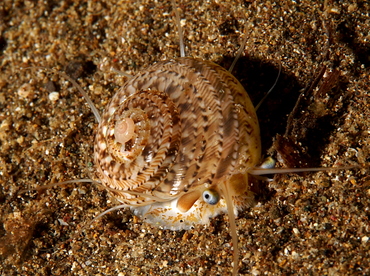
(190, 135)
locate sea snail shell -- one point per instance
(174, 139)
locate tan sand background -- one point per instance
(316, 223)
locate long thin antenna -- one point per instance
(258, 171)
(84, 94)
(233, 232)
(239, 53)
(75, 84)
(118, 207)
(242, 46)
(178, 23)
(272, 88)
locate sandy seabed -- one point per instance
(308, 224)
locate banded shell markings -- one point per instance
(194, 132)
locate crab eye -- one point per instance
(211, 197)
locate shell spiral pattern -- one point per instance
(173, 137)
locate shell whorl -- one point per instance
(194, 127)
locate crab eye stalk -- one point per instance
(211, 197)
